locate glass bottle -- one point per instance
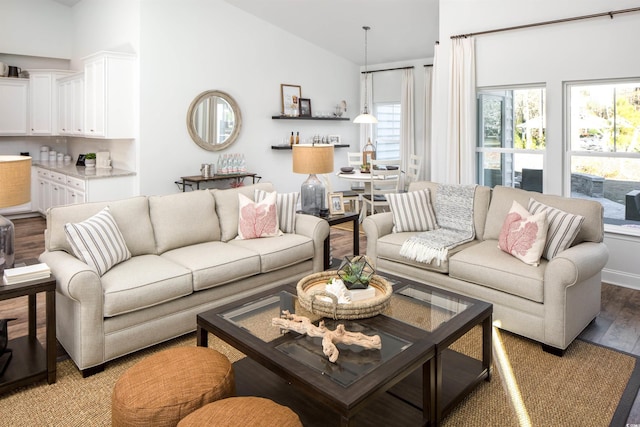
(297, 137)
(291, 140)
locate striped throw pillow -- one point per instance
(563, 228)
(412, 211)
(98, 241)
(286, 205)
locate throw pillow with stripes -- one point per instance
(563, 228)
(286, 205)
(98, 241)
(412, 211)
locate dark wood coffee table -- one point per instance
(417, 330)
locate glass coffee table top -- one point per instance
(355, 361)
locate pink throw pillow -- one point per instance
(524, 235)
(257, 219)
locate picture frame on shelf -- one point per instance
(290, 97)
(336, 204)
(305, 107)
(334, 139)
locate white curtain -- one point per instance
(407, 145)
(438, 150)
(427, 119)
(366, 86)
(461, 118)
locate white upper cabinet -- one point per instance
(109, 95)
(71, 105)
(14, 103)
(43, 96)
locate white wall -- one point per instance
(599, 48)
(47, 22)
(191, 46)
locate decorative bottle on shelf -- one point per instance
(297, 137)
(368, 154)
(291, 140)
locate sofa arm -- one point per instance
(375, 227)
(75, 279)
(318, 230)
(576, 264)
(572, 292)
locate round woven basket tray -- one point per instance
(311, 287)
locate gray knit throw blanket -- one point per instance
(454, 213)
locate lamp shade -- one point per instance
(15, 180)
(312, 158)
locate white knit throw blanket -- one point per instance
(454, 213)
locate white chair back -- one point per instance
(384, 179)
(354, 159)
(413, 170)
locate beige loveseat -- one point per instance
(551, 303)
(185, 260)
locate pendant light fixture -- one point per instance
(365, 117)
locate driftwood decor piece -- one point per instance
(303, 325)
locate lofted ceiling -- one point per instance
(401, 30)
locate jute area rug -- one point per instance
(528, 387)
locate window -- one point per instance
(603, 139)
(387, 131)
(511, 137)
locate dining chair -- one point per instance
(413, 170)
(354, 159)
(384, 179)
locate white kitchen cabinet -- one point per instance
(43, 97)
(71, 105)
(14, 103)
(109, 79)
(56, 188)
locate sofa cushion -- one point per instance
(523, 234)
(278, 252)
(485, 264)
(131, 215)
(98, 241)
(215, 263)
(286, 205)
(592, 229)
(143, 281)
(412, 211)
(183, 219)
(227, 207)
(563, 228)
(257, 219)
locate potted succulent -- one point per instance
(356, 272)
(90, 160)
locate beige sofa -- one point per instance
(551, 303)
(185, 260)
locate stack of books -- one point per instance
(26, 273)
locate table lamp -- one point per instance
(15, 189)
(313, 159)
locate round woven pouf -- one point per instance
(165, 387)
(242, 411)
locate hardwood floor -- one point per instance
(617, 326)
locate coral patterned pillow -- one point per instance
(257, 219)
(523, 235)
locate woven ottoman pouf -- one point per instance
(165, 387)
(242, 411)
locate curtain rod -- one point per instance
(556, 21)
(388, 69)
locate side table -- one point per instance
(31, 362)
(340, 219)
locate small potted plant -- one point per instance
(90, 160)
(356, 272)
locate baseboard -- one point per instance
(621, 278)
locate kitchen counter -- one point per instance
(81, 172)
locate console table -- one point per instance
(197, 179)
(31, 362)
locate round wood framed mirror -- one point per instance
(214, 120)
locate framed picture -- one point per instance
(305, 107)
(334, 139)
(290, 99)
(336, 204)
